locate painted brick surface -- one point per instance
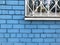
(14, 30)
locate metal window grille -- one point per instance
(42, 8)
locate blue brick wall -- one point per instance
(14, 30)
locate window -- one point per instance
(42, 9)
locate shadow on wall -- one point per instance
(40, 22)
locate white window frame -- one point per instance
(41, 17)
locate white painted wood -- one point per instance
(48, 15)
(25, 7)
(42, 18)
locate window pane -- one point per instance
(43, 7)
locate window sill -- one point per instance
(35, 18)
(44, 16)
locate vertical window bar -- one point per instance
(56, 2)
(29, 8)
(33, 1)
(41, 6)
(25, 8)
(48, 7)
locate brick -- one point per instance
(25, 39)
(36, 40)
(49, 40)
(37, 35)
(5, 7)
(24, 22)
(55, 43)
(13, 40)
(13, 35)
(54, 26)
(12, 2)
(2, 21)
(11, 12)
(37, 22)
(0, 11)
(18, 7)
(18, 17)
(48, 22)
(21, 2)
(43, 35)
(22, 7)
(13, 30)
(25, 30)
(6, 35)
(55, 35)
(7, 43)
(58, 40)
(6, 26)
(1, 35)
(2, 2)
(37, 30)
(2, 30)
(19, 43)
(0, 43)
(22, 12)
(18, 26)
(24, 35)
(31, 44)
(43, 43)
(30, 26)
(12, 21)
(5, 17)
(57, 22)
(43, 26)
(58, 35)
(3, 40)
(49, 30)
(49, 35)
(17, 12)
(19, 35)
(57, 30)
(30, 35)
(4, 11)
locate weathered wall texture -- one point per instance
(14, 30)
